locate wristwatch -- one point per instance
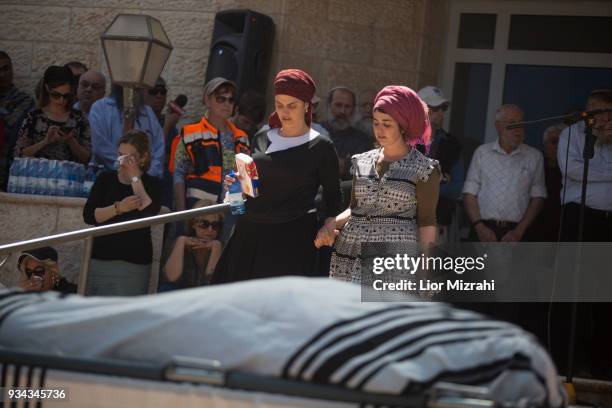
(135, 179)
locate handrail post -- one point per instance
(85, 265)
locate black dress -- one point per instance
(276, 235)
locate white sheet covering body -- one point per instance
(315, 330)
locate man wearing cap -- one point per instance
(205, 151)
(41, 271)
(447, 150)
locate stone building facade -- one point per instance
(357, 43)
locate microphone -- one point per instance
(573, 117)
(178, 104)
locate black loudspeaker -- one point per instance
(241, 48)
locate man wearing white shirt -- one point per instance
(504, 189)
(598, 210)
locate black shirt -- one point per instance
(289, 180)
(132, 246)
(348, 142)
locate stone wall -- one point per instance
(358, 43)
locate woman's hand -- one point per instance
(53, 135)
(67, 138)
(327, 234)
(130, 203)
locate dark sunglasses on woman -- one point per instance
(158, 91)
(58, 95)
(216, 225)
(222, 99)
(39, 270)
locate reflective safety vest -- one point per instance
(203, 148)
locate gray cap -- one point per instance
(215, 83)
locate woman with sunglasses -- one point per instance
(55, 130)
(195, 255)
(42, 271)
(121, 263)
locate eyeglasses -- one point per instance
(158, 91)
(94, 86)
(39, 270)
(222, 99)
(216, 225)
(441, 108)
(58, 95)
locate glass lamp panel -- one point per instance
(129, 25)
(157, 59)
(158, 32)
(126, 59)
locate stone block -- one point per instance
(261, 6)
(362, 12)
(187, 66)
(32, 23)
(141, 5)
(64, 3)
(396, 49)
(26, 84)
(402, 15)
(89, 23)
(208, 6)
(46, 54)
(303, 62)
(21, 55)
(431, 56)
(314, 11)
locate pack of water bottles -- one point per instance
(29, 175)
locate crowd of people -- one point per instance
(379, 168)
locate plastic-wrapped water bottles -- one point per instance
(39, 174)
(21, 176)
(14, 176)
(90, 176)
(31, 172)
(63, 184)
(235, 197)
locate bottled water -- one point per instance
(235, 197)
(90, 176)
(14, 176)
(31, 167)
(73, 179)
(53, 177)
(41, 176)
(21, 176)
(63, 184)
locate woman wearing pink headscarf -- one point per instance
(395, 188)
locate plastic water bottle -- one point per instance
(20, 183)
(235, 197)
(40, 177)
(73, 179)
(14, 176)
(31, 172)
(63, 183)
(90, 176)
(52, 177)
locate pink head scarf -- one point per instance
(408, 110)
(296, 83)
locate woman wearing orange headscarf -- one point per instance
(275, 236)
(395, 187)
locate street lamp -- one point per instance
(136, 49)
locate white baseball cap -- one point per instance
(432, 96)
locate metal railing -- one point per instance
(88, 235)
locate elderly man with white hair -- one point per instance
(504, 189)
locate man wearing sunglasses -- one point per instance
(205, 151)
(41, 271)
(447, 150)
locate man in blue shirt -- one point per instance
(107, 126)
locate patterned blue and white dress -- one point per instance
(385, 209)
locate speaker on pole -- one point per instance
(241, 49)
